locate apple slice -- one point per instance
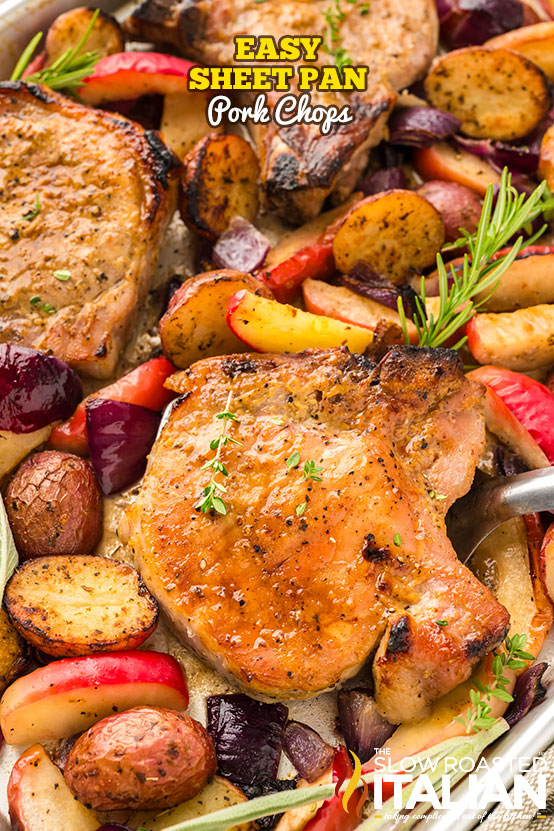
(441, 161)
(68, 696)
(502, 422)
(15, 446)
(269, 326)
(132, 74)
(534, 42)
(520, 340)
(184, 121)
(39, 799)
(343, 304)
(546, 562)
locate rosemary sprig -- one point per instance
(470, 289)
(477, 716)
(68, 71)
(212, 501)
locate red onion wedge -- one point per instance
(247, 736)
(241, 247)
(120, 436)
(528, 692)
(264, 787)
(518, 158)
(310, 755)
(363, 728)
(472, 22)
(389, 178)
(421, 126)
(367, 282)
(35, 389)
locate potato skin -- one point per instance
(68, 28)
(54, 505)
(458, 206)
(15, 655)
(150, 758)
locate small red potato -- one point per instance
(219, 181)
(148, 758)
(70, 605)
(442, 161)
(496, 93)
(458, 206)
(54, 505)
(534, 42)
(68, 28)
(398, 232)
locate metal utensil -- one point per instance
(489, 504)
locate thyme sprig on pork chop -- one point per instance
(212, 499)
(463, 293)
(68, 71)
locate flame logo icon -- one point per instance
(353, 784)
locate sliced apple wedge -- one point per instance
(132, 74)
(269, 326)
(504, 425)
(39, 799)
(441, 161)
(343, 304)
(520, 340)
(68, 696)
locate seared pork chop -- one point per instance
(73, 272)
(292, 603)
(299, 166)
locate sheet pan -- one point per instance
(19, 21)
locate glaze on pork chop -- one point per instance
(300, 167)
(291, 605)
(107, 190)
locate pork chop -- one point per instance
(291, 600)
(300, 167)
(76, 264)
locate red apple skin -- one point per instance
(232, 306)
(35, 66)
(546, 562)
(135, 677)
(128, 75)
(441, 161)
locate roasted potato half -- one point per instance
(54, 505)
(77, 604)
(194, 325)
(68, 28)
(219, 180)
(397, 232)
(535, 42)
(148, 758)
(14, 652)
(496, 93)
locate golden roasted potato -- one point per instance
(535, 42)
(77, 604)
(546, 162)
(15, 446)
(67, 29)
(194, 324)
(495, 93)
(397, 232)
(219, 793)
(54, 505)
(219, 180)
(14, 652)
(184, 121)
(148, 758)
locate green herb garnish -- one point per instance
(35, 211)
(477, 716)
(334, 15)
(478, 279)
(293, 460)
(62, 275)
(212, 501)
(311, 471)
(68, 71)
(300, 509)
(397, 539)
(441, 622)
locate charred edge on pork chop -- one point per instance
(293, 605)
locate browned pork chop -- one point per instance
(75, 265)
(299, 166)
(291, 603)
